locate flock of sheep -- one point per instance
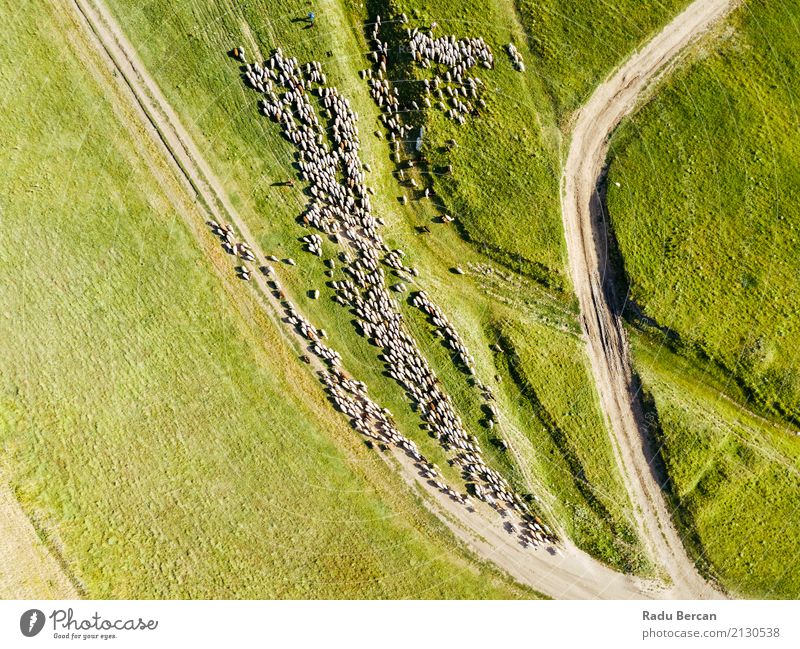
(516, 57)
(327, 155)
(241, 249)
(454, 92)
(444, 329)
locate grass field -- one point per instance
(195, 419)
(712, 248)
(506, 167)
(572, 448)
(186, 54)
(736, 477)
(28, 570)
(146, 422)
(508, 164)
(576, 44)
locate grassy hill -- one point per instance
(148, 401)
(576, 44)
(734, 476)
(712, 246)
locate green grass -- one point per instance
(576, 44)
(736, 477)
(506, 167)
(226, 471)
(505, 186)
(549, 414)
(703, 196)
(145, 419)
(712, 247)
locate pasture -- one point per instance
(576, 44)
(703, 196)
(149, 401)
(712, 247)
(571, 448)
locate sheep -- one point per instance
(340, 204)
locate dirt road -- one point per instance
(568, 574)
(585, 234)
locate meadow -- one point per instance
(734, 477)
(576, 44)
(149, 400)
(712, 249)
(507, 166)
(145, 422)
(572, 450)
(703, 197)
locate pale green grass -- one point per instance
(735, 476)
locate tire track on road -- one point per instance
(585, 232)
